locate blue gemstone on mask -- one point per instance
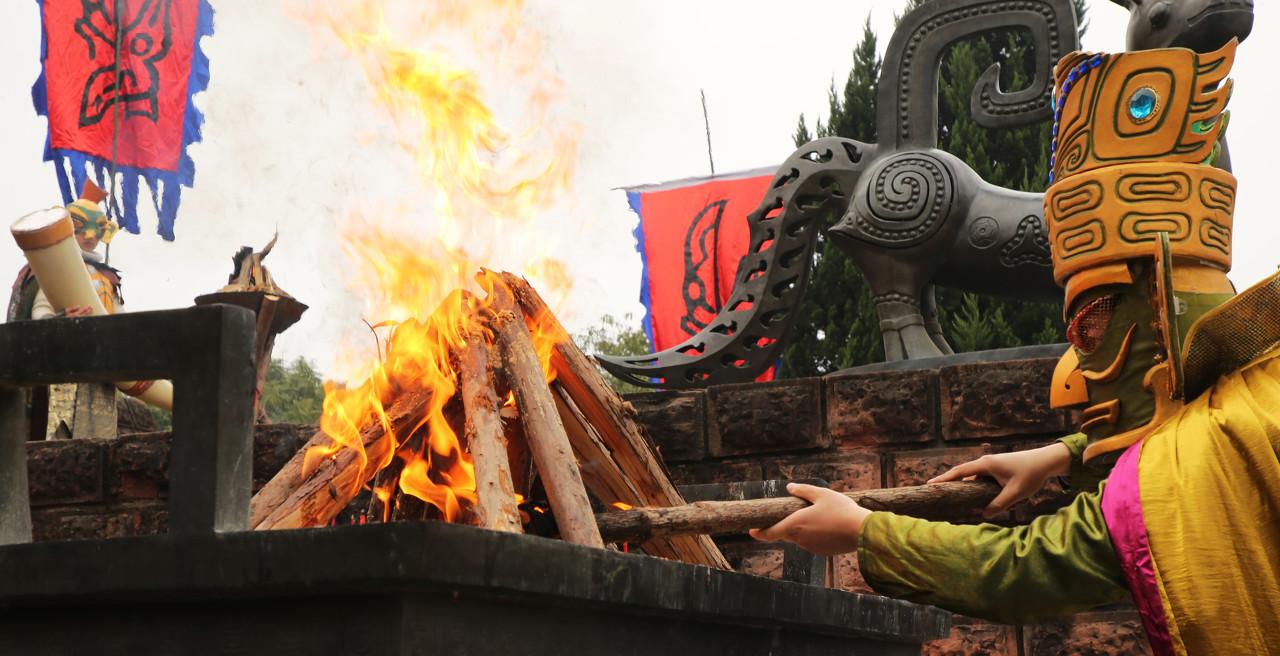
(1142, 104)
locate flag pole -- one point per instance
(707, 123)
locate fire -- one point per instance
(622, 506)
(488, 183)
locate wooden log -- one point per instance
(290, 501)
(936, 501)
(601, 473)
(495, 494)
(622, 437)
(542, 426)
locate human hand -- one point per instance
(828, 527)
(1021, 473)
(78, 311)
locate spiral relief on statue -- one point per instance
(906, 201)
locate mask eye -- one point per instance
(1089, 325)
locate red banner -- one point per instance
(156, 45)
(691, 236)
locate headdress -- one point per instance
(87, 215)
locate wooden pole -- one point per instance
(495, 495)
(622, 437)
(263, 343)
(935, 501)
(542, 426)
(290, 501)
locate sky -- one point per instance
(294, 141)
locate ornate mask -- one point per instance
(1140, 228)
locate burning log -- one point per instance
(575, 432)
(542, 425)
(291, 500)
(621, 440)
(496, 501)
(937, 501)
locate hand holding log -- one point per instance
(937, 501)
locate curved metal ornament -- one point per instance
(745, 337)
(907, 99)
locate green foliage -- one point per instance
(163, 419)
(836, 326)
(293, 393)
(615, 336)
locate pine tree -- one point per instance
(836, 325)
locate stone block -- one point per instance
(138, 467)
(1107, 633)
(677, 422)
(274, 445)
(98, 522)
(882, 408)
(998, 399)
(844, 472)
(970, 637)
(765, 417)
(757, 558)
(716, 472)
(917, 467)
(65, 471)
(848, 576)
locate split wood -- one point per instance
(726, 517)
(579, 432)
(619, 462)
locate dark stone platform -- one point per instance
(420, 588)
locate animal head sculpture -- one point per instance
(1139, 227)
(1201, 25)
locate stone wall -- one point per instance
(882, 429)
(857, 431)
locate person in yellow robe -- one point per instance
(1179, 379)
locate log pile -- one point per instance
(581, 437)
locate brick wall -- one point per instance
(856, 431)
(882, 429)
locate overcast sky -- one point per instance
(293, 140)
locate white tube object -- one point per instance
(47, 239)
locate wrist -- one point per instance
(1058, 459)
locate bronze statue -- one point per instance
(911, 215)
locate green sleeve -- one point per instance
(1058, 564)
(1086, 476)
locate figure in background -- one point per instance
(1180, 379)
(84, 409)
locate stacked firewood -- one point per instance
(581, 437)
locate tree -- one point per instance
(293, 393)
(615, 337)
(836, 325)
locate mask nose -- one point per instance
(1068, 386)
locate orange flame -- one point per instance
(488, 183)
(622, 506)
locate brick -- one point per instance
(917, 467)
(65, 471)
(765, 417)
(973, 638)
(677, 422)
(716, 472)
(844, 472)
(274, 445)
(882, 408)
(756, 558)
(848, 576)
(1100, 634)
(138, 467)
(998, 399)
(97, 522)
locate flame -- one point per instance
(622, 506)
(488, 183)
